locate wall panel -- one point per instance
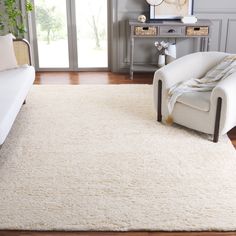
(231, 36)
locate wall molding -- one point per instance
(215, 10)
(214, 19)
(219, 32)
(229, 30)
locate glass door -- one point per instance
(92, 43)
(71, 34)
(51, 33)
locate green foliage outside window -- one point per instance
(50, 22)
(12, 18)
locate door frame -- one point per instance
(72, 39)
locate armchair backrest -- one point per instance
(22, 51)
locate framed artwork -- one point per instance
(170, 9)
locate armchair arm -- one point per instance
(226, 90)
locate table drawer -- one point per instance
(145, 31)
(172, 31)
(197, 31)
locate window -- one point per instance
(71, 34)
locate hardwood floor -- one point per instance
(74, 78)
(91, 78)
(232, 136)
(25, 233)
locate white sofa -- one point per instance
(207, 112)
(14, 87)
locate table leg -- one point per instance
(202, 45)
(208, 44)
(131, 57)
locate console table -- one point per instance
(166, 29)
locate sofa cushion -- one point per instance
(14, 87)
(196, 100)
(7, 54)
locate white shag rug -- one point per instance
(94, 158)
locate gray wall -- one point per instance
(221, 13)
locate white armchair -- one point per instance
(208, 112)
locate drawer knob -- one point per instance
(171, 31)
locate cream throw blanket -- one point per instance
(220, 72)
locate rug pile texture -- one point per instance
(94, 158)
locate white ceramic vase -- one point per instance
(161, 60)
(170, 53)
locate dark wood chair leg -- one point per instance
(217, 121)
(159, 101)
